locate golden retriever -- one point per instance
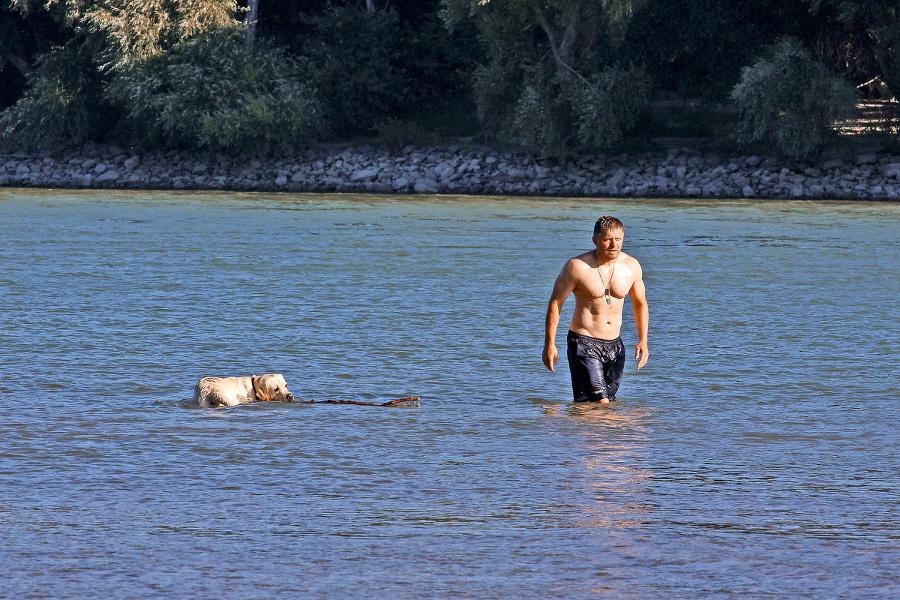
(231, 391)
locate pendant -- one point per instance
(608, 299)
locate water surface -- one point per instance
(754, 457)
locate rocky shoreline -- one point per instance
(675, 173)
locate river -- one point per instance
(754, 457)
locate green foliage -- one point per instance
(789, 99)
(608, 104)
(549, 80)
(63, 103)
(136, 30)
(357, 62)
(213, 92)
(566, 112)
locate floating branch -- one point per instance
(412, 400)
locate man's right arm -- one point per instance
(564, 285)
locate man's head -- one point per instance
(609, 233)
(606, 223)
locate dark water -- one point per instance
(754, 457)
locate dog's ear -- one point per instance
(263, 391)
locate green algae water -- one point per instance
(754, 457)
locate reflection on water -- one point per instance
(753, 456)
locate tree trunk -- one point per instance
(250, 20)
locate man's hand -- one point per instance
(642, 354)
(550, 356)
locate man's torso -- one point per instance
(593, 316)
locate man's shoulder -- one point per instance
(581, 262)
(631, 262)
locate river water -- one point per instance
(754, 457)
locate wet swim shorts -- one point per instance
(596, 366)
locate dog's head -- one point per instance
(272, 388)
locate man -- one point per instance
(600, 280)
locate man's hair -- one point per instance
(606, 223)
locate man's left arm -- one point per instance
(641, 311)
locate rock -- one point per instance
(748, 191)
(100, 169)
(891, 170)
(753, 161)
(834, 163)
(132, 163)
(200, 169)
(281, 180)
(868, 158)
(363, 175)
(426, 186)
(107, 176)
(297, 177)
(401, 184)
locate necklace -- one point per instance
(606, 285)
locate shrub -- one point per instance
(63, 103)
(356, 61)
(568, 112)
(788, 99)
(608, 104)
(214, 92)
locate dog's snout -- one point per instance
(290, 397)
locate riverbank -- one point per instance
(673, 173)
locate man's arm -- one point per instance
(641, 311)
(564, 285)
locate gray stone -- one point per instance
(868, 158)
(100, 169)
(891, 170)
(132, 163)
(834, 163)
(363, 175)
(281, 180)
(200, 169)
(753, 161)
(748, 191)
(426, 186)
(107, 176)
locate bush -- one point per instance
(356, 61)
(63, 103)
(608, 105)
(788, 99)
(566, 112)
(213, 92)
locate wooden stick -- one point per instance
(388, 403)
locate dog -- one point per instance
(232, 391)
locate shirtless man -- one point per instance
(600, 280)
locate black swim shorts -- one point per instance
(596, 366)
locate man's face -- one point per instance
(609, 243)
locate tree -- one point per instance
(552, 73)
(113, 60)
(789, 99)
